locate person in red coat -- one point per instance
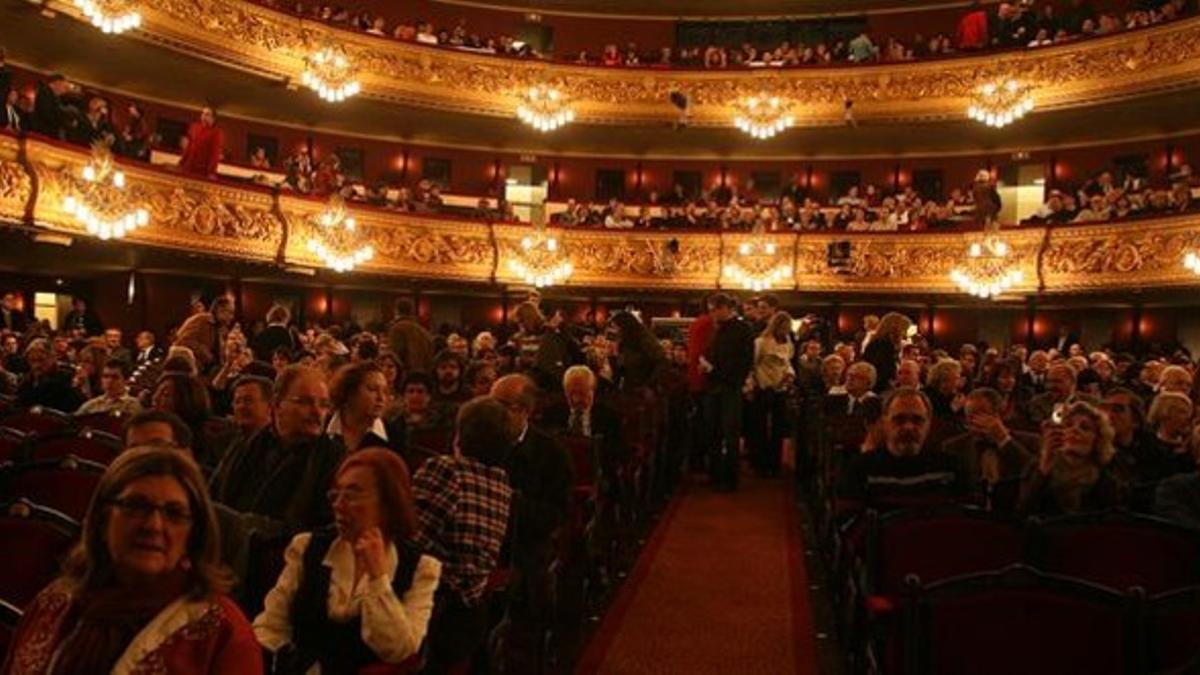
(204, 144)
(973, 29)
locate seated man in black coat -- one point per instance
(283, 471)
(902, 472)
(47, 383)
(540, 471)
(989, 451)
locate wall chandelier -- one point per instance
(541, 260)
(987, 271)
(335, 242)
(1191, 261)
(762, 116)
(100, 202)
(544, 108)
(998, 104)
(329, 72)
(756, 265)
(111, 16)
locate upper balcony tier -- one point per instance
(237, 222)
(271, 44)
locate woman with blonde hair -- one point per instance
(144, 591)
(770, 381)
(883, 351)
(1072, 473)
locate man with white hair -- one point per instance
(580, 414)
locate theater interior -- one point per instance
(600, 336)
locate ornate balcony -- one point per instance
(228, 220)
(274, 45)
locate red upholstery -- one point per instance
(1120, 551)
(95, 446)
(941, 544)
(10, 616)
(38, 420)
(1173, 630)
(109, 423)
(410, 666)
(1018, 621)
(12, 445)
(435, 441)
(64, 486)
(43, 540)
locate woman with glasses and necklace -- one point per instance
(361, 592)
(144, 591)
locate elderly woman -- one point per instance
(1176, 379)
(144, 590)
(359, 394)
(1072, 472)
(833, 370)
(772, 379)
(362, 592)
(1170, 420)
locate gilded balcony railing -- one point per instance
(251, 223)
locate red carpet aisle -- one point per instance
(720, 588)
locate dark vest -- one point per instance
(338, 647)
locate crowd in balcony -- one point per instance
(1104, 197)
(1008, 25)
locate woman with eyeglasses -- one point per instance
(144, 591)
(361, 592)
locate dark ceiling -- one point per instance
(152, 72)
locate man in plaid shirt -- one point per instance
(463, 502)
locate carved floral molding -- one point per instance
(254, 224)
(273, 44)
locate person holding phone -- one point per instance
(1072, 472)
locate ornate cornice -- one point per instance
(263, 41)
(258, 225)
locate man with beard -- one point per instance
(903, 472)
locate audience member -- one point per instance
(115, 398)
(1072, 471)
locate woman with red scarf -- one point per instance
(145, 590)
(204, 145)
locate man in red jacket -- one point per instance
(204, 144)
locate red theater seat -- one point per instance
(89, 444)
(1173, 631)
(36, 540)
(109, 423)
(13, 445)
(65, 485)
(1119, 550)
(1020, 621)
(38, 420)
(10, 616)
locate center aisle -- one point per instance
(719, 588)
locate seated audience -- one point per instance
(251, 403)
(186, 396)
(46, 383)
(280, 471)
(359, 397)
(902, 471)
(1178, 498)
(360, 592)
(989, 451)
(463, 503)
(144, 591)
(157, 427)
(1072, 471)
(115, 398)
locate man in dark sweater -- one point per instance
(729, 360)
(47, 383)
(903, 472)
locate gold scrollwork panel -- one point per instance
(1129, 255)
(184, 213)
(15, 185)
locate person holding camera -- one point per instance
(1072, 472)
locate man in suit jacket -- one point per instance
(540, 471)
(989, 451)
(50, 117)
(1060, 389)
(147, 351)
(581, 415)
(46, 383)
(11, 318)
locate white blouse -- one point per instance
(392, 627)
(772, 362)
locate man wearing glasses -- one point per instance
(282, 471)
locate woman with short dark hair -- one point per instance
(359, 394)
(144, 590)
(358, 593)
